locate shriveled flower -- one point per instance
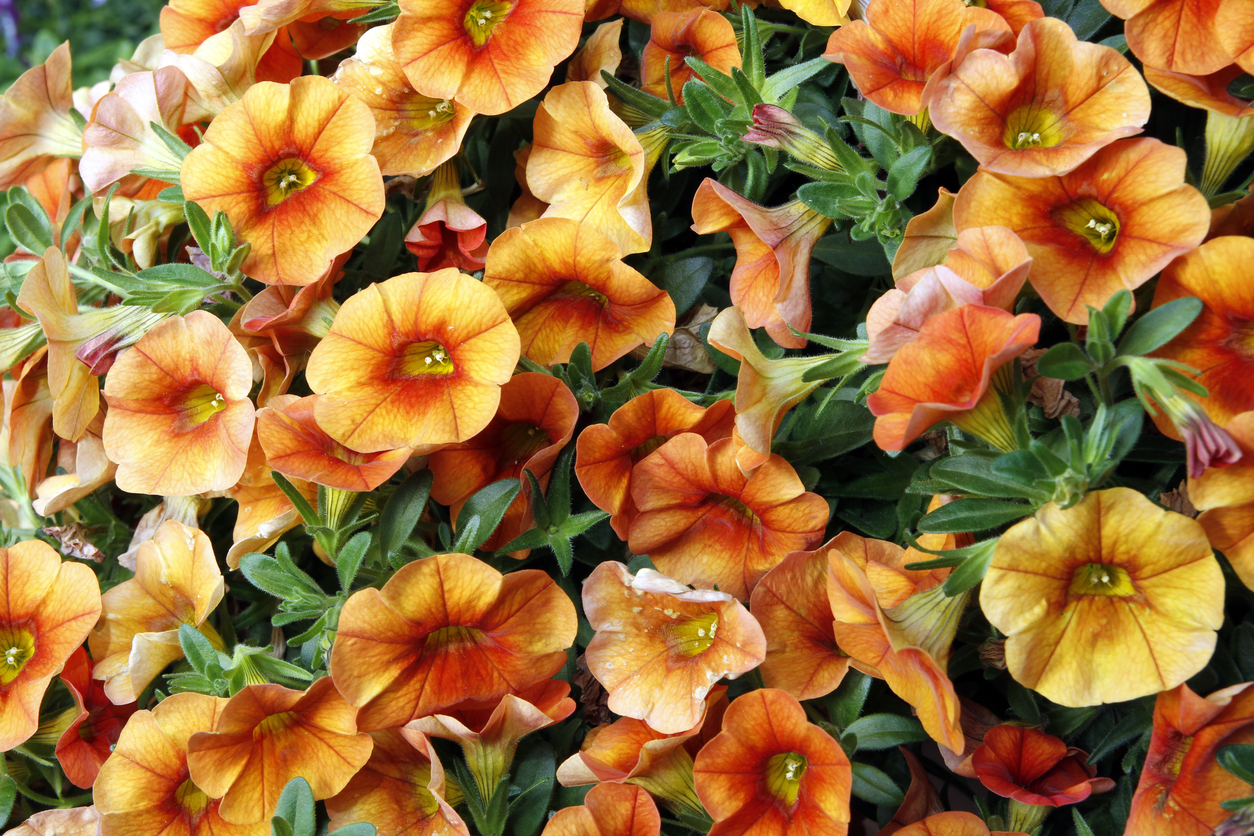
(66, 821)
(1033, 767)
(1122, 599)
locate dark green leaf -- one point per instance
(1116, 311)
(1023, 703)
(972, 570)
(903, 176)
(975, 475)
(306, 511)
(1239, 760)
(266, 574)
(684, 279)
(1081, 826)
(747, 95)
(751, 52)
(644, 102)
(873, 785)
(8, 794)
(403, 511)
(32, 231)
(790, 78)
(348, 561)
(1159, 326)
(844, 705)
(971, 515)
(717, 79)
(535, 775)
(199, 652)
(178, 275)
(705, 107)
(884, 731)
(1130, 727)
(1065, 361)
(482, 513)
(1087, 18)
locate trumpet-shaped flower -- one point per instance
(35, 122)
(448, 233)
(445, 629)
(1035, 768)
(1045, 108)
(82, 468)
(951, 824)
(699, 33)
(1111, 599)
(704, 523)
(1179, 36)
(91, 735)
(416, 360)
(660, 646)
(564, 284)
(490, 55)
(187, 24)
(179, 417)
(291, 167)
(1110, 224)
(599, 52)
(608, 810)
(770, 772)
(177, 581)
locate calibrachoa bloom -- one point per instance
(1035, 768)
(445, 629)
(1179, 36)
(608, 810)
(90, 737)
(35, 122)
(145, 785)
(267, 735)
(291, 167)
(951, 824)
(416, 360)
(704, 523)
(599, 52)
(700, 33)
(1225, 496)
(448, 233)
(1045, 108)
(1110, 224)
(179, 419)
(771, 773)
(177, 581)
(660, 646)
(490, 55)
(1111, 599)
(47, 607)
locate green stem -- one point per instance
(48, 801)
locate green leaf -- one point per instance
(579, 523)
(200, 225)
(747, 95)
(296, 807)
(705, 107)
(32, 231)
(1065, 361)
(403, 511)
(1239, 760)
(1159, 326)
(751, 61)
(199, 652)
(280, 827)
(844, 705)
(1023, 703)
(1116, 311)
(972, 570)
(684, 279)
(307, 513)
(720, 81)
(644, 102)
(976, 475)
(791, 77)
(1081, 826)
(829, 199)
(177, 147)
(873, 785)
(178, 275)
(266, 574)
(357, 828)
(8, 794)
(482, 513)
(1132, 726)
(971, 515)
(348, 561)
(1087, 18)
(535, 774)
(903, 176)
(884, 731)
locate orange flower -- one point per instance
(81, 468)
(771, 280)
(294, 318)
(1182, 783)
(265, 512)
(1218, 343)
(660, 646)
(445, 629)
(179, 417)
(564, 284)
(607, 454)
(897, 625)
(186, 24)
(600, 52)
(1110, 224)
(703, 523)
(28, 408)
(434, 347)
(533, 424)
(297, 447)
(952, 824)
(35, 122)
(1122, 599)
(303, 189)
(401, 791)
(770, 772)
(177, 581)
(267, 735)
(90, 737)
(1045, 108)
(790, 602)
(1226, 498)
(145, 785)
(448, 233)
(699, 33)
(820, 12)
(1035, 768)
(608, 810)
(413, 133)
(490, 55)
(964, 348)
(589, 166)
(48, 608)
(1175, 35)
(928, 237)
(892, 54)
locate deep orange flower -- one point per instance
(533, 424)
(608, 810)
(267, 735)
(48, 608)
(770, 772)
(177, 581)
(445, 629)
(921, 799)
(413, 133)
(265, 512)
(660, 646)
(607, 454)
(1225, 496)
(145, 785)
(893, 52)
(589, 166)
(1035, 768)
(490, 55)
(1122, 599)
(564, 284)
(952, 824)
(600, 52)
(448, 233)
(1110, 224)
(35, 122)
(1175, 35)
(1045, 108)
(303, 188)
(703, 523)
(179, 417)
(790, 602)
(1182, 783)
(401, 791)
(964, 348)
(771, 280)
(416, 360)
(186, 24)
(88, 740)
(1218, 343)
(897, 625)
(699, 33)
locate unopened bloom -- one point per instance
(1032, 767)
